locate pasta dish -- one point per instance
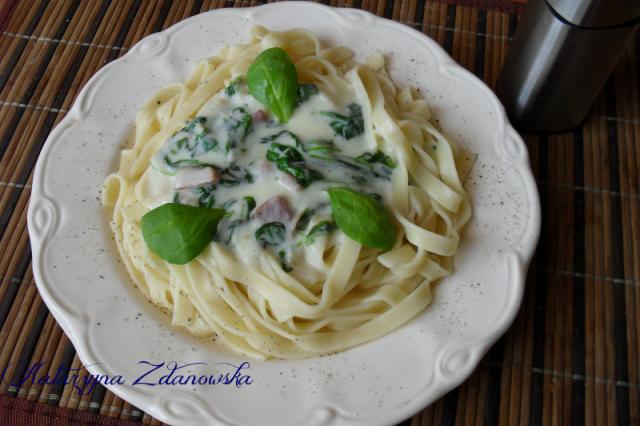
(287, 200)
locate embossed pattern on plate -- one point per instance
(381, 382)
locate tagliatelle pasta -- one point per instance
(314, 290)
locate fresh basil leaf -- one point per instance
(178, 233)
(289, 160)
(362, 218)
(305, 91)
(271, 234)
(347, 126)
(273, 81)
(319, 229)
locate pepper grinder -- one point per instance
(560, 58)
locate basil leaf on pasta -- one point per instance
(273, 81)
(177, 232)
(362, 218)
(271, 179)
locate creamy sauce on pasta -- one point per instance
(279, 279)
(233, 134)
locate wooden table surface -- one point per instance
(572, 355)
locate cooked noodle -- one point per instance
(355, 293)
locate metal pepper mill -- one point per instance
(560, 58)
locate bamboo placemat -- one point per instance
(572, 355)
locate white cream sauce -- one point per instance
(246, 154)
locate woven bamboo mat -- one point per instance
(573, 352)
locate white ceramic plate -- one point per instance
(112, 327)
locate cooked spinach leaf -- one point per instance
(231, 229)
(201, 144)
(290, 160)
(319, 229)
(278, 151)
(249, 203)
(226, 206)
(235, 175)
(237, 126)
(320, 148)
(360, 171)
(304, 220)
(206, 196)
(271, 234)
(181, 163)
(184, 147)
(377, 157)
(305, 91)
(197, 125)
(283, 137)
(232, 88)
(347, 126)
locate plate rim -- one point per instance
(42, 208)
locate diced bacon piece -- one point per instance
(275, 209)
(288, 181)
(259, 116)
(191, 177)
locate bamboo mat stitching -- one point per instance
(36, 107)
(562, 374)
(451, 400)
(52, 109)
(60, 41)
